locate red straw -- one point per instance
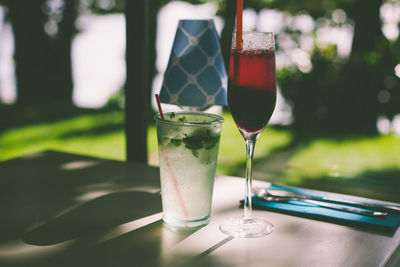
(175, 182)
(159, 107)
(239, 24)
(173, 177)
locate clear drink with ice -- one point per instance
(188, 145)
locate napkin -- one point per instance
(388, 223)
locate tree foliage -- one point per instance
(43, 35)
(341, 95)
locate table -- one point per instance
(60, 209)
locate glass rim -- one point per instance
(217, 119)
(253, 40)
(256, 33)
(185, 20)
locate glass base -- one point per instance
(176, 224)
(239, 227)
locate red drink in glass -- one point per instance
(252, 89)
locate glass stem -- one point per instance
(250, 143)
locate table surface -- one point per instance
(60, 209)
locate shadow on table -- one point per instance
(59, 209)
(127, 250)
(33, 191)
(65, 205)
(95, 217)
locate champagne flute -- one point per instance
(251, 101)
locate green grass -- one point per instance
(75, 135)
(88, 135)
(232, 153)
(345, 158)
(362, 166)
(369, 166)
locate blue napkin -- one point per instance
(388, 223)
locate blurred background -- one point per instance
(337, 122)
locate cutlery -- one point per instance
(365, 205)
(278, 195)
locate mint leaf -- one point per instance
(210, 142)
(192, 142)
(201, 138)
(182, 119)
